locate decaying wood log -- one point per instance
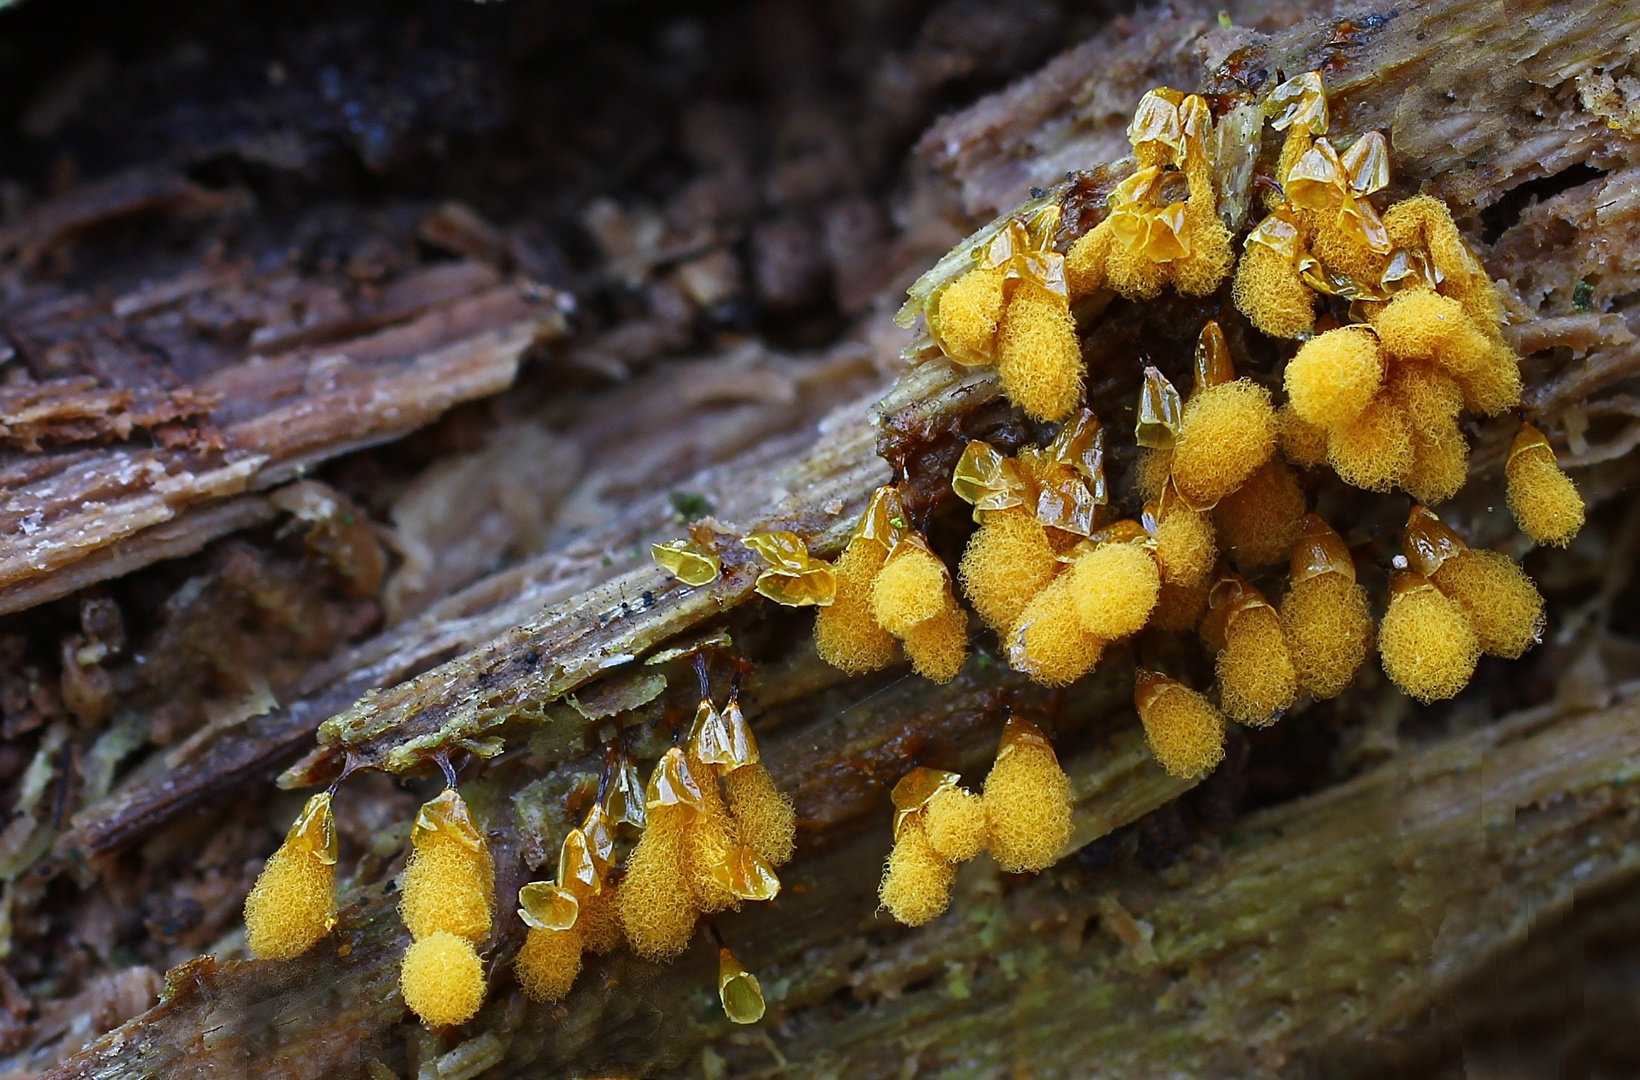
(1330, 933)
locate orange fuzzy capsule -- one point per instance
(1495, 386)
(1027, 801)
(1008, 560)
(1270, 292)
(548, 963)
(1227, 431)
(1085, 261)
(1257, 681)
(1420, 324)
(939, 646)
(764, 816)
(1424, 222)
(911, 588)
(1302, 443)
(449, 884)
(846, 634)
(1429, 397)
(1502, 603)
(916, 885)
(967, 315)
(954, 822)
(1374, 451)
(656, 899)
(293, 903)
(1039, 358)
(709, 842)
(1186, 547)
(1185, 731)
(1335, 376)
(442, 979)
(1049, 643)
(1258, 522)
(1426, 641)
(1440, 465)
(1543, 499)
(1324, 614)
(1114, 587)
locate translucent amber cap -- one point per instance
(1319, 550)
(1213, 365)
(723, 738)
(747, 875)
(314, 830)
(1408, 581)
(626, 796)
(546, 906)
(1428, 541)
(794, 578)
(739, 990)
(1230, 596)
(446, 813)
(1019, 732)
(1080, 446)
(599, 831)
(1301, 100)
(688, 561)
(1148, 687)
(1023, 250)
(672, 784)
(577, 869)
(986, 479)
(1161, 410)
(914, 791)
(1531, 442)
(885, 519)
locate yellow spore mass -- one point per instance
(1440, 465)
(1185, 731)
(938, 646)
(1027, 807)
(1495, 386)
(1424, 221)
(1328, 625)
(911, 588)
(1115, 588)
(1302, 443)
(1270, 292)
(1374, 451)
(1085, 261)
(1421, 324)
(448, 886)
(764, 815)
(1151, 471)
(599, 920)
(1008, 560)
(1428, 644)
(1335, 376)
(1049, 643)
(954, 822)
(709, 840)
(442, 979)
(1429, 397)
(1258, 522)
(1039, 358)
(1502, 603)
(1542, 498)
(846, 634)
(1179, 607)
(1186, 548)
(549, 961)
(916, 885)
(968, 313)
(657, 899)
(1257, 681)
(292, 905)
(1227, 431)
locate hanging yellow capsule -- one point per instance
(1324, 614)
(1542, 498)
(1258, 522)
(916, 885)
(912, 587)
(1027, 801)
(293, 903)
(1257, 681)
(1185, 731)
(1427, 642)
(954, 822)
(1007, 562)
(449, 884)
(549, 962)
(1115, 586)
(1502, 603)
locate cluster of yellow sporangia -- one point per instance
(717, 827)
(1023, 819)
(891, 587)
(713, 827)
(447, 905)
